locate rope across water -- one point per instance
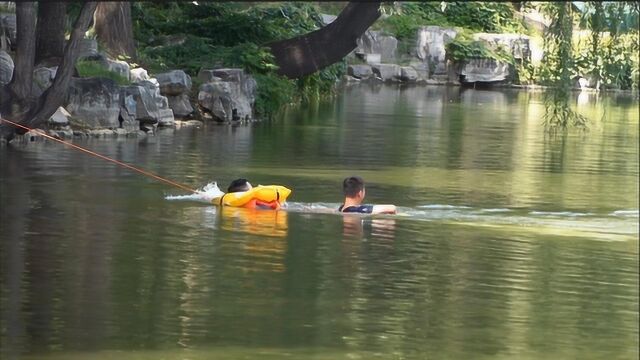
(130, 167)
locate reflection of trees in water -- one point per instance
(471, 293)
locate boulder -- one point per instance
(484, 70)
(206, 76)
(146, 109)
(430, 47)
(422, 68)
(180, 105)
(376, 42)
(165, 117)
(154, 89)
(6, 68)
(408, 74)
(359, 71)
(372, 58)
(386, 72)
(228, 94)
(515, 44)
(88, 48)
(119, 67)
(59, 118)
(327, 19)
(94, 102)
(247, 83)
(42, 79)
(138, 74)
(216, 97)
(8, 28)
(128, 110)
(174, 82)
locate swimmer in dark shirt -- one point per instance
(354, 192)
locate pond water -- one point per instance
(509, 242)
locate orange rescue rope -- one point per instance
(173, 183)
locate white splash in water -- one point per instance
(205, 195)
(559, 213)
(625, 213)
(440, 206)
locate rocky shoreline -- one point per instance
(139, 104)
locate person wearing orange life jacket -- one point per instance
(241, 185)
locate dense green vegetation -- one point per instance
(87, 68)
(190, 37)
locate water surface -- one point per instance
(509, 242)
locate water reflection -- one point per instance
(358, 226)
(97, 264)
(254, 221)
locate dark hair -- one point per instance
(238, 185)
(352, 185)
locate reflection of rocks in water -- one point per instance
(487, 98)
(583, 98)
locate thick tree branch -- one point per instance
(306, 54)
(54, 96)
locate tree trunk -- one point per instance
(22, 80)
(306, 54)
(114, 29)
(52, 17)
(40, 110)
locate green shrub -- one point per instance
(95, 69)
(463, 47)
(273, 92)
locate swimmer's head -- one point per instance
(239, 185)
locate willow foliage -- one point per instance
(559, 60)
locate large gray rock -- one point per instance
(217, 98)
(88, 48)
(128, 110)
(228, 94)
(247, 83)
(119, 67)
(206, 76)
(8, 28)
(375, 42)
(430, 47)
(6, 68)
(94, 102)
(360, 71)
(408, 74)
(490, 70)
(138, 75)
(42, 79)
(174, 82)
(484, 70)
(146, 109)
(515, 44)
(386, 72)
(166, 118)
(180, 105)
(60, 117)
(154, 89)
(327, 18)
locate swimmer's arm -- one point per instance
(383, 209)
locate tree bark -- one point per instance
(306, 54)
(114, 29)
(52, 17)
(40, 110)
(22, 80)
